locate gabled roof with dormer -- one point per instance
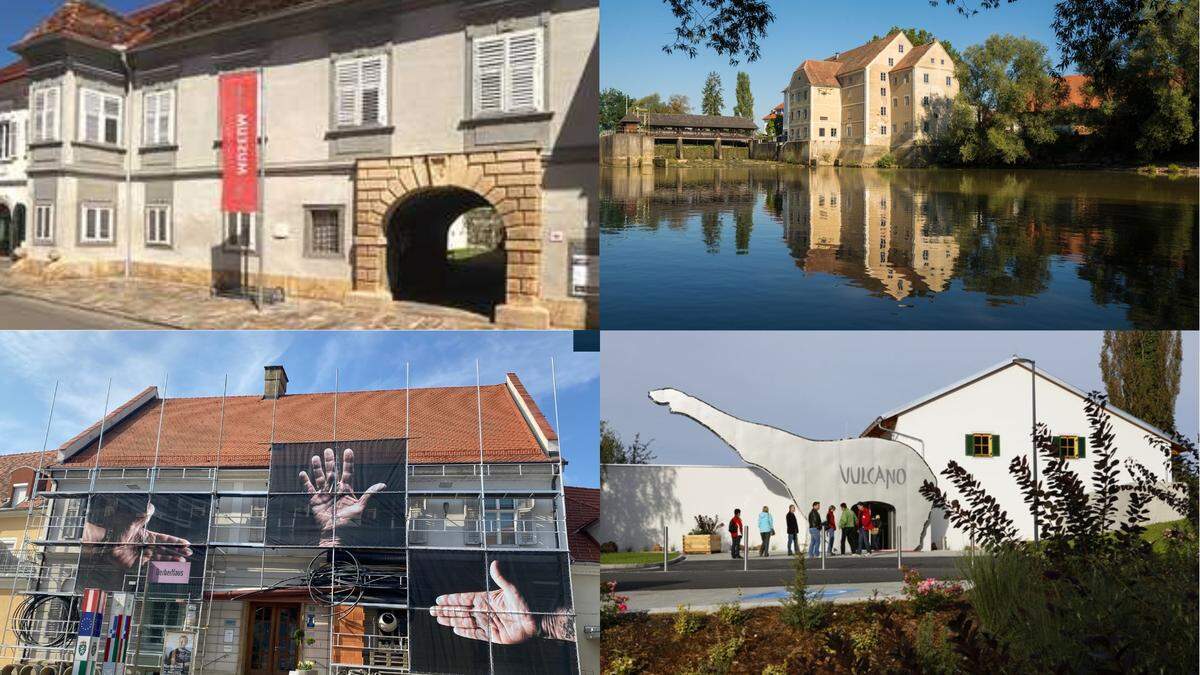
(83, 20)
(913, 56)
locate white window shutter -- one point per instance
(149, 115)
(374, 75)
(51, 114)
(39, 115)
(489, 74)
(166, 117)
(525, 71)
(347, 85)
(90, 116)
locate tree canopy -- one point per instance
(614, 451)
(745, 98)
(614, 103)
(713, 101)
(1141, 371)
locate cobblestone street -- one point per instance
(172, 305)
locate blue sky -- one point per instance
(632, 33)
(824, 385)
(198, 361)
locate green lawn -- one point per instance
(466, 253)
(1154, 532)
(634, 557)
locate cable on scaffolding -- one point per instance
(343, 582)
(44, 620)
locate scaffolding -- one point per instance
(516, 507)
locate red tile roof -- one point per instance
(582, 510)
(443, 428)
(85, 20)
(860, 56)
(538, 417)
(775, 112)
(1076, 93)
(18, 464)
(915, 54)
(13, 71)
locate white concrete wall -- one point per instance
(585, 582)
(1001, 405)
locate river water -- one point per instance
(764, 246)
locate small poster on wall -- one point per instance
(178, 648)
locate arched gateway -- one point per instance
(509, 182)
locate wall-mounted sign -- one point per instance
(584, 260)
(239, 142)
(162, 572)
(178, 647)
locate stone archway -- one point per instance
(509, 181)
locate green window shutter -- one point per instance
(970, 445)
(1081, 445)
(1057, 441)
(996, 445)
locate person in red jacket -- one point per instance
(864, 528)
(735, 534)
(830, 529)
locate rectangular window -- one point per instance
(324, 231)
(882, 92)
(508, 72)
(45, 114)
(895, 102)
(19, 492)
(96, 224)
(901, 46)
(926, 76)
(821, 131)
(158, 225)
(883, 128)
(8, 138)
(159, 119)
(1070, 447)
(99, 117)
(883, 77)
(983, 445)
(947, 81)
(833, 132)
(43, 222)
(925, 100)
(891, 61)
(361, 91)
(883, 110)
(925, 127)
(239, 231)
(905, 101)
(849, 129)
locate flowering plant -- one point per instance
(929, 594)
(611, 604)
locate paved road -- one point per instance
(777, 571)
(21, 313)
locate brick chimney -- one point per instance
(274, 382)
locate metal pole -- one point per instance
(899, 548)
(745, 551)
(262, 183)
(821, 545)
(1033, 439)
(666, 541)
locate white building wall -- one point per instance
(585, 582)
(1000, 404)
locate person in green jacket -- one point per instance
(847, 525)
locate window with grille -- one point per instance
(1070, 447)
(45, 114)
(96, 224)
(901, 46)
(362, 91)
(926, 76)
(159, 119)
(158, 225)
(947, 81)
(324, 231)
(99, 117)
(883, 77)
(507, 73)
(239, 231)
(43, 222)
(9, 130)
(983, 445)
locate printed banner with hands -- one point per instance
(331, 496)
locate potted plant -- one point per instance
(705, 537)
(303, 666)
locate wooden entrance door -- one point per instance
(271, 650)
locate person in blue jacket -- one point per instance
(766, 528)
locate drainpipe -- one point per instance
(129, 145)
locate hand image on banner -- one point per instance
(239, 142)
(124, 531)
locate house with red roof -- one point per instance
(360, 516)
(377, 126)
(878, 97)
(14, 193)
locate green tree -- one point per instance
(679, 104)
(713, 101)
(745, 98)
(614, 103)
(1141, 371)
(614, 451)
(1009, 86)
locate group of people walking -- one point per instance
(858, 525)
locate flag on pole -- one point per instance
(88, 644)
(117, 641)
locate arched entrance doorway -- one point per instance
(393, 195)
(884, 515)
(6, 231)
(445, 246)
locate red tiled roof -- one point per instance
(910, 59)
(775, 112)
(87, 20)
(822, 73)
(1076, 94)
(538, 417)
(582, 510)
(13, 71)
(859, 57)
(10, 464)
(443, 428)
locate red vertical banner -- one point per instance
(239, 142)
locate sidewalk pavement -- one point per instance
(173, 305)
(710, 599)
(726, 556)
